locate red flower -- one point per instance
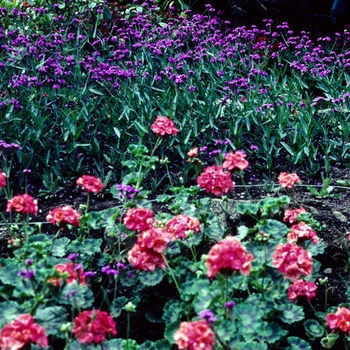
(302, 231)
(2, 179)
(288, 180)
(64, 215)
(90, 183)
(226, 256)
(24, 204)
(340, 319)
(301, 288)
(291, 215)
(193, 152)
(22, 331)
(216, 180)
(91, 326)
(194, 336)
(293, 261)
(164, 126)
(73, 271)
(180, 225)
(235, 161)
(138, 219)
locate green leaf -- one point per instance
(162, 344)
(60, 247)
(330, 340)
(313, 329)
(297, 343)
(173, 311)
(290, 313)
(205, 299)
(75, 345)
(170, 330)
(148, 345)
(226, 331)
(316, 249)
(117, 306)
(88, 246)
(76, 294)
(163, 198)
(113, 344)
(214, 231)
(151, 278)
(276, 229)
(247, 208)
(250, 346)
(52, 318)
(9, 310)
(8, 273)
(191, 288)
(243, 232)
(269, 332)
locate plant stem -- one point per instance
(245, 186)
(171, 274)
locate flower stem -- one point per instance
(171, 274)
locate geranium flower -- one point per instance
(164, 126)
(178, 226)
(340, 319)
(2, 179)
(290, 215)
(195, 335)
(301, 288)
(64, 215)
(288, 180)
(193, 152)
(91, 326)
(90, 183)
(293, 261)
(302, 231)
(214, 179)
(138, 219)
(21, 332)
(226, 256)
(24, 204)
(235, 160)
(73, 271)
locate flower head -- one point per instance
(193, 152)
(288, 180)
(22, 331)
(63, 216)
(90, 183)
(208, 315)
(302, 231)
(226, 256)
(178, 226)
(91, 326)
(291, 215)
(301, 288)
(235, 160)
(214, 179)
(138, 219)
(74, 273)
(340, 319)
(293, 261)
(195, 335)
(9, 148)
(24, 204)
(2, 179)
(164, 126)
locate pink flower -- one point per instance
(24, 204)
(138, 219)
(178, 226)
(301, 288)
(164, 126)
(293, 261)
(226, 256)
(214, 179)
(154, 238)
(73, 272)
(195, 335)
(302, 231)
(340, 319)
(288, 180)
(291, 215)
(64, 215)
(235, 161)
(91, 326)
(90, 183)
(193, 152)
(2, 179)
(22, 331)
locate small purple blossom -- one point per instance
(29, 262)
(89, 274)
(109, 271)
(207, 315)
(230, 304)
(26, 273)
(72, 256)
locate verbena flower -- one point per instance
(302, 231)
(90, 183)
(290, 215)
(91, 326)
(293, 261)
(235, 160)
(9, 148)
(214, 179)
(301, 288)
(208, 315)
(178, 226)
(73, 273)
(2, 179)
(21, 332)
(164, 126)
(23, 204)
(288, 180)
(226, 256)
(63, 216)
(195, 335)
(138, 219)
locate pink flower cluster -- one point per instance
(301, 288)
(2, 179)
(339, 320)
(91, 326)
(288, 180)
(164, 126)
(138, 219)
(195, 335)
(292, 261)
(226, 256)
(302, 231)
(21, 332)
(214, 179)
(180, 225)
(90, 183)
(235, 161)
(63, 216)
(23, 204)
(74, 273)
(290, 215)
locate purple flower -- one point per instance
(89, 274)
(207, 315)
(109, 271)
(72, 256)
(230, 304)
(29, 262)
(26, 274)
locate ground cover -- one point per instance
(185, 124)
